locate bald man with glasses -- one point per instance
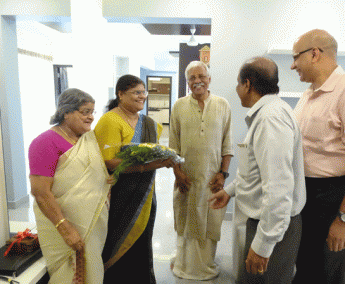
(320, 113)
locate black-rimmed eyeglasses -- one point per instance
(296, 55)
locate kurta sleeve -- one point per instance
(174, 133)
(227, 148)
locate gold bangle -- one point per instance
(60, 222)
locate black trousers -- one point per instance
(282, 260)
(315, 261)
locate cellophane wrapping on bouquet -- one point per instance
(140, 154)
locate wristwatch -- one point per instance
(225, 174)
(341, 216)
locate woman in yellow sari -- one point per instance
(127, 253)
(69, 182)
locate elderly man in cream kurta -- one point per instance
(200, 132)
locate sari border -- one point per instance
(120, 248)
(150, 133)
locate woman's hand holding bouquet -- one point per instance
(146, 157)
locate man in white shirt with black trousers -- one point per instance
(269, 186)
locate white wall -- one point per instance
(243, 29)
(240, 30)
(132, 41)
(35, 7)
(36, 79)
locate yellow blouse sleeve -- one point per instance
(112, 132)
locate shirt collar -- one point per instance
(331, 82)
(266, 99)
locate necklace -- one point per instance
(67, 136)
(128, 120)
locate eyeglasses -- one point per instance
(87, 112)
(138, 93)
(296, 55)
(194, 78)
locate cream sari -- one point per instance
(80, 187)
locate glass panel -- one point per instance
(159, 98)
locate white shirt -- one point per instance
(270, 185)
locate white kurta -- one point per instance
(202, 138)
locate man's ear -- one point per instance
(248, 84)
(316, 54)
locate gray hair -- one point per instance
(194, 64)
(69, 101)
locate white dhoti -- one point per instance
(195, 259)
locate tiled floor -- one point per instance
(164, 237)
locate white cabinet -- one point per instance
(159, 107)
(160, 115)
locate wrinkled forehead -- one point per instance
(197, 70)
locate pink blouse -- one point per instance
(45, 151)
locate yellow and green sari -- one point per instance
(133, 204)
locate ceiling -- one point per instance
(177, 29)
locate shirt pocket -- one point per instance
(243, 159)
(318, 129)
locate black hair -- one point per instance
(124, 83)
(261, 77)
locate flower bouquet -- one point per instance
(140, 154)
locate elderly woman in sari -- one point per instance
(133, 203)
(69, 181)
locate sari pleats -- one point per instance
(129, 213)
(80, 187)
